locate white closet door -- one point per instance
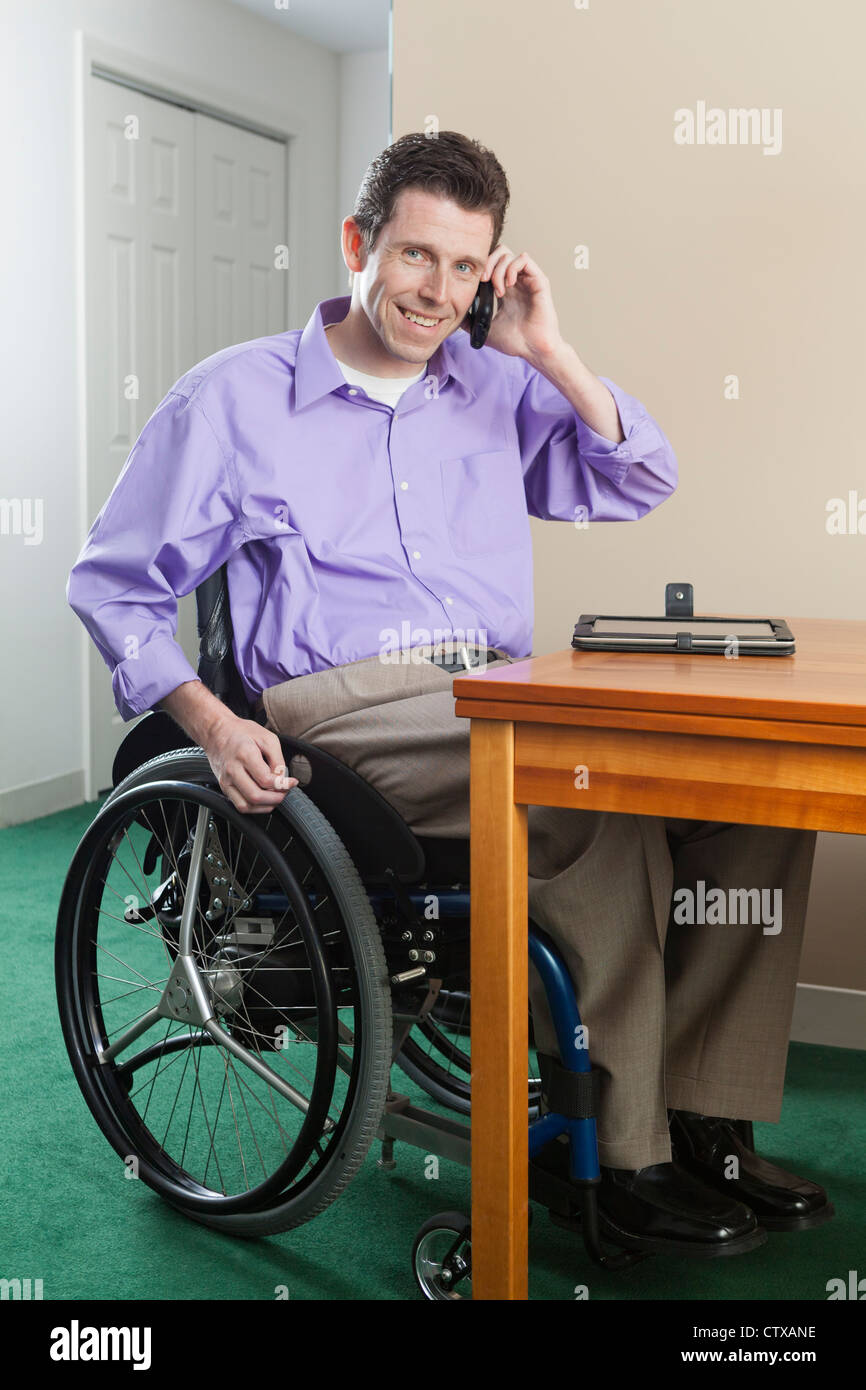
(140, 295)
(241, 209)
(184, 216)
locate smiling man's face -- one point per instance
(427, 260)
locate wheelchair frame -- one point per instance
(392, 861)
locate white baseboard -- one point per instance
(830, 1016)
(37, 799)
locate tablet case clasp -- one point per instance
(679, 602)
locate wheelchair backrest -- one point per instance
(216, 664)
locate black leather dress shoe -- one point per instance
(661, 1208)
(704, 1144)
(665, 1210)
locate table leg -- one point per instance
(500, 1041)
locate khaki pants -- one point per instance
(692, 1017)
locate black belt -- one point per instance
(454, 662)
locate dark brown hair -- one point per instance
(448, 163)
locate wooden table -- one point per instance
(757, 740)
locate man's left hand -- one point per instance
(525, 322)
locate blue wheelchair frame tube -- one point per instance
(566, 1019)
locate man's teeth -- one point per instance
(416, 318)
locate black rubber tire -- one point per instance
(455, 1223)
(374, 1000)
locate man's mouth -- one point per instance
(421, 321)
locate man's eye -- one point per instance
(413, 251)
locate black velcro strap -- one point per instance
(573, 1094)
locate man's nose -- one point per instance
(436, 288)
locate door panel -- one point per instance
(184, 213)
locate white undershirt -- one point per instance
(387, 389)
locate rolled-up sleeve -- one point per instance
(171, 520)
(568, 466)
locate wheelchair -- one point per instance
(235, 990)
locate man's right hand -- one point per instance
(248, 762)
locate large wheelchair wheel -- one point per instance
(224, 997)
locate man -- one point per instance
(368, 481)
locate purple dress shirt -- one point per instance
(349, 528)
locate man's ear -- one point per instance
(353, 245)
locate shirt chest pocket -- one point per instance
(485, 502)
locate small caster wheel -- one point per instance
(442, 1257)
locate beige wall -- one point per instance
(705, 261)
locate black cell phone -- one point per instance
(480, 315)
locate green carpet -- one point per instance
(71, 1218)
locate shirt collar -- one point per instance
(317, 372)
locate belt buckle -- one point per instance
(455, 664)
(465, 662)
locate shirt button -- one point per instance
(416, 554)
(352, 391)
(404, 486)
(448, 598)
